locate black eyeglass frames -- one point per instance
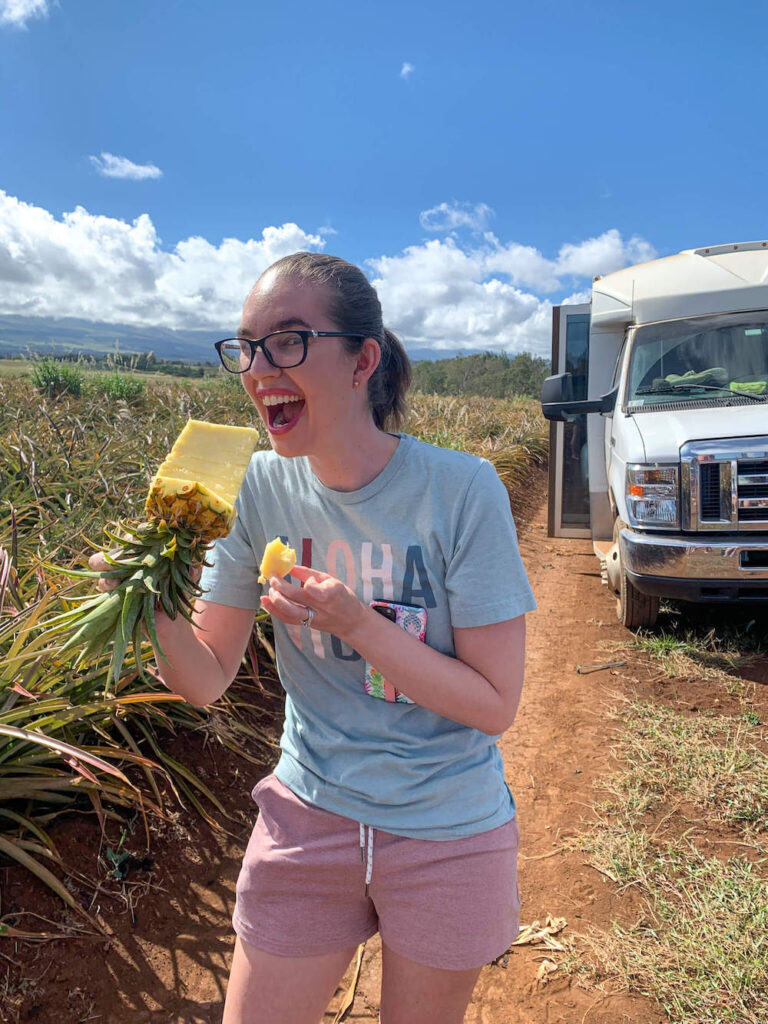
(283, 349)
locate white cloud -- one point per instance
(576, 299)
(19, 12)
(454, 215)
(101, 268)
(112, 166)
(439, 294)
(406, 70)
(524, 265)
(442, 296)
(603, 254)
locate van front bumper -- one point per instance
(687, 568)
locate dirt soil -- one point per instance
(166, 955)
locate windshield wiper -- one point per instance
(660, 389)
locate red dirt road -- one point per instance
(168, 959)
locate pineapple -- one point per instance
(278, 560)
(196, 486)
(191, 502)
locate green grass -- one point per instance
(701, 946)
(715, 628)
(688, 648)
(701, 950)
(124, 387)
(717, 762)
(54, 379)
(15, 368)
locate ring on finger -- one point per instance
(310, 615)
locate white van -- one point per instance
(659, 439)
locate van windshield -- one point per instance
(715, 358)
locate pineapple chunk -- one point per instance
(278, 560)
(196, 486)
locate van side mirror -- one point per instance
(557, 399)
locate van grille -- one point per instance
(710, 491)
(753, 488)
(725, 487)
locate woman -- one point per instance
(388, 809)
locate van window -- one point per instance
(710, 357)
(619, 363)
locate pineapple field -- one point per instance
(84, 725)
(639, 764)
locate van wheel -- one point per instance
(633, 609)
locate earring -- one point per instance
(355, 383)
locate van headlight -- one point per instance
(653, 495)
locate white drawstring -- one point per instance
(369, 858)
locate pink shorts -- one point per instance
(302, 887)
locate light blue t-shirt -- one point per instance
(433, 529)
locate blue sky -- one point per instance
(480, 161)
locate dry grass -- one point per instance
(701, 946)
(716, 762)
(510, 433)
(701, 949)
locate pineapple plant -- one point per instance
(155, 561)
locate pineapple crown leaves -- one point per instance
(151, 564)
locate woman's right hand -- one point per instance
(98, 563)
(198, 669)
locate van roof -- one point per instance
(712, 279)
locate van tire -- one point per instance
(633, 609)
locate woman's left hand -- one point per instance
(334, 607)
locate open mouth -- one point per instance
(282, 410)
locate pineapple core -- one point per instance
(196, 486)
(278, 560)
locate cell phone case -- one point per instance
(414, 621)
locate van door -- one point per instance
(568, 473)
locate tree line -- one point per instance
(116, 361)
(488, 373)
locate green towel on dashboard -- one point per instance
(752, 387)
(717, 375)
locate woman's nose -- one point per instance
(261, 366)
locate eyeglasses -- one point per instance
(283, 349)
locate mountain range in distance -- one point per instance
(45, 336)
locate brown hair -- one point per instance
(354, 305)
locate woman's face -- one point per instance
(319, 407)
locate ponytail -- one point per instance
(389, 383)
